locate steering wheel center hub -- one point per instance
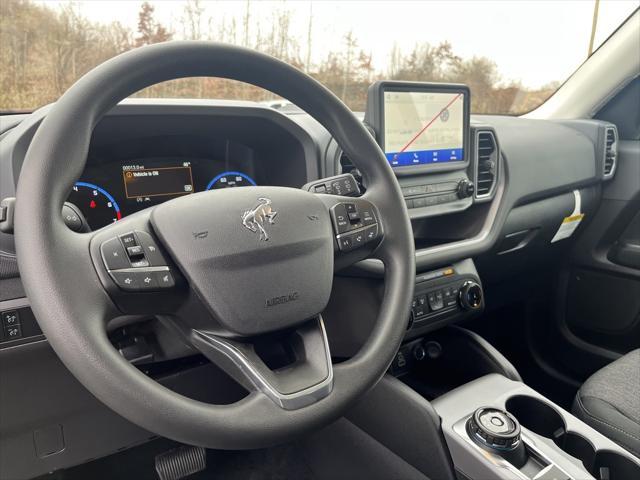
(260, 258)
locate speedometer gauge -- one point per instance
(229, 180)
(96, 204)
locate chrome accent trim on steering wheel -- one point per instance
(291, 401)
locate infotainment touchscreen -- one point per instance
(423, 127)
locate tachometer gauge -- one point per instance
(230, 179)
(96, 204)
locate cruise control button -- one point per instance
(140, 262)
(135, 250)
(164, 279)
(113, 255)
(129, 239)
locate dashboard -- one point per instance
(480, 187)
(464, 192)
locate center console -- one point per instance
(500, 428)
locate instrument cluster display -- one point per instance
(110, 191)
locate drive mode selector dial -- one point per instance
(497, 431)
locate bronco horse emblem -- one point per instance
(256, 218)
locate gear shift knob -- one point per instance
(498, 432)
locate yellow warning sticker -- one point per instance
(573, 218)
(570, 224)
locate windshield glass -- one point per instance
(513, 55)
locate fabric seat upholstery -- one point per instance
(609, 401)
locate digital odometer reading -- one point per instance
(423, 127)
(153, 182)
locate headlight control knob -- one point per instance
(471, 295)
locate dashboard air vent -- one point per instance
(487, 167)
(610, 151)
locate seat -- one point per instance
(609, 401)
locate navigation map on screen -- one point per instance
(423, 127)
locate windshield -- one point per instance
(513, 55)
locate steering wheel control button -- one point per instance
(151, 251)
(129, 240)
(358, 238)
(127, 281)
(352, 212)
(371, 232)
(368, 217)
(340, 218)
(147, 280)
(114, 255)
(135, 251)
(345, 243)
(164, 279)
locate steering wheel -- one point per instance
(231, 269)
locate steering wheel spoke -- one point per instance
(292, 368)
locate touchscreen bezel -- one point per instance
(374, 117)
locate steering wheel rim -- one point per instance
(72, 306)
